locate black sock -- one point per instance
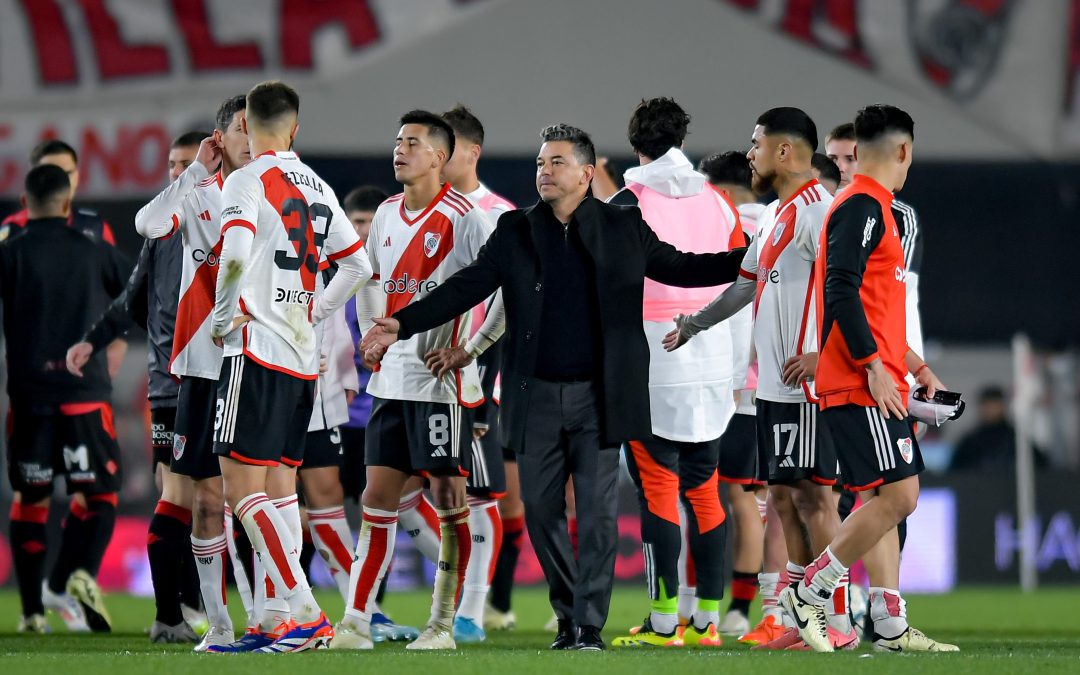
(166, 545)
(28, 548)
(744, 587)
(73, 544)
(100, 522)
(502, 582)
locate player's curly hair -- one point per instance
(657, 125)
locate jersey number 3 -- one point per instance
(307, 240)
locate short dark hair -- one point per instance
(189, 139)
(437, 127)
(270, 100)
(228, 109)
(465, 124)
(875, 121)
(826, 167)
(791, 121)
(730, 167)
(842, 132)
(657, 125)
(45, 183)
(583, 145)
(53, 146)
(364, 198)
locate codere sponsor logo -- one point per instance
(407, 284)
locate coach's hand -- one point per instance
(236, 323)
(885, 390)
(442, 361)
(678, 337)
(379, 338)
(799, 369)
(209, 154)
(77, 356)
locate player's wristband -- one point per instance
(920, 369)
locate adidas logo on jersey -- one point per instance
(205, 215)
(439, 452)
(387, 242)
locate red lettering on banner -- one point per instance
(150, 142)
(52, 42)
(135, 157)
(116, 58)
(94, 152)
(301, 19)
(205, 52)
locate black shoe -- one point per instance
(566, 638)
(589, 640)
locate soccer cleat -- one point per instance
(348, 635)
(66, 607)
(196, 618)
(165, 634)
(214, 636)
(300, 637)
(789, 639)
(35, 623)
(434, 637)
(496, 620)
(467, 632)
(646, 636)
(809, 619)
(911, 640)
(251, 641)
(765, 632)
(846, 642)
(709, 636)
(384, 629)
(734, 623)
(84, 589)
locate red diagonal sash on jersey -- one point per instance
(771, 250)
(289, 202)
(416, 263)
(197, 303)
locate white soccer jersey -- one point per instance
(410, 256)
(781, 260)
(296, 221)
(191, 205)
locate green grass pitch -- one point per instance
(997, 630)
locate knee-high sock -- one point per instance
(687, 571)
(456, 545)
(210, 557)
(243, 585)
(374, 550)
(707, 538)
(333, 541)
(73, 544)
(837, 610)
(744, 587)
(29, 547)
(502, 581)
(166, 548)
(279, 553)
(485, 528)
(420, 521)
(769, 582)
(100, 523)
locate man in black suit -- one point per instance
(575, 364)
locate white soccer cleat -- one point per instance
(82, 586)
(810, 620)
(434, 637)
(215, 636)
(912, 640)
(351, 636)
(734, 624)
(163, 633)
(35, 623)
(496, 620)
(66, 607)
(196, 618)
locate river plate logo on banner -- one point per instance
(958, 42)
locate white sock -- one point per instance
(374, 550)
(418, 518)
(270, 610)
(888, 611)
(289, 508)
(767, 584)
(280, 554)
(210, 563)
(762, 506)
(822, 577)
(837, 611)
(454, 551)
(485, 526)
(664, 623)
(242, 585)
(687, 576)
(333, 540)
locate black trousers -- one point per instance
(563, 440)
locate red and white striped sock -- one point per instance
(837, 610)
(769, 585)
(888, 611)
(485, 528)
(333, 540)
(374, 550)
(453, 561)
(210, 563)
(279, 553)
(420, 521)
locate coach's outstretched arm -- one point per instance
(669, 265)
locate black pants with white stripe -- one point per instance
(872, 450)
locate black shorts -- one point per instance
(323, 448)
(261, 415)
(740, 462)
(76, 440)
(193, 445)
(353, 469)
(417, 437)
(162, 423)
(484, 462)
(797, 442)
(872, 450)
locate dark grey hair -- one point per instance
(583, 145)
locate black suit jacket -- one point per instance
(624, 250)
